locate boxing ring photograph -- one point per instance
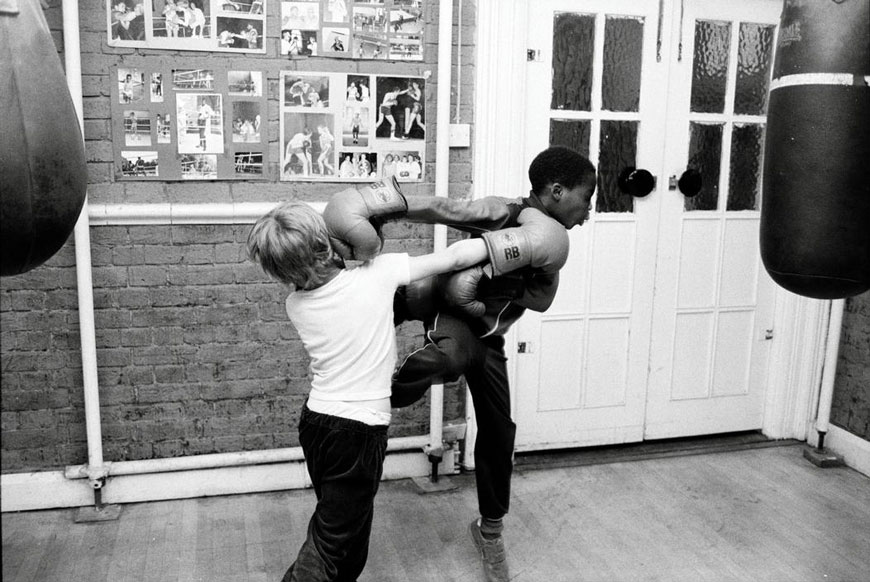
(568, 290)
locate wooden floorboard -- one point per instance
(755, 515)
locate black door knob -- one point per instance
(636, 182)
(690, 182)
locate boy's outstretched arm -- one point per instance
(460, 255)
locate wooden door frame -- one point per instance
(800, 324)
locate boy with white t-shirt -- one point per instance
(345, 320)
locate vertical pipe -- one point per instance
(829, 374)
(81, 233)
(442, 185)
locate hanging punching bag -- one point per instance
(43, 174)
(815, 216)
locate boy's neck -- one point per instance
(332, 271)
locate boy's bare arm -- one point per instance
(460, 255)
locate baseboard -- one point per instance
(657, 449)
(854, 450)
(51, 490)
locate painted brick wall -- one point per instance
(850, 408)
(194, 351)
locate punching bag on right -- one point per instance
(815, 216)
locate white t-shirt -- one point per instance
(347, 329)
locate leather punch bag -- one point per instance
(43, 173)
(815, 216)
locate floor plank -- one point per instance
(756, 515)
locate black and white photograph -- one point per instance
(408, 166)
(137, 128)
(306, 91)
(406, 48)
(131, 86)
(163, 124)
(359, 89)
(198, 166)
(300, 15)
(193, 79)
(187, 25)
(406, 20)
(127, 22)
(239, 33)
(245, 83)
(199, 119)
(248, 164)
(247, 119)
(184, 23)
(297, 43)
(401, 111)
(356, 127)
(323, 149)
(304, 142)
(336, 11)
(241, 7)
(370, 19)
(156, 88)
(140, 164)
(370, 45)
(358, 165)
(405, 165)
(335, 40)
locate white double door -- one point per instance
(661, 323)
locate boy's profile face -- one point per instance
(571, 206)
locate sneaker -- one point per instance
(492, 551)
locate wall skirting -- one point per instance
(52, 490)
(854, 450)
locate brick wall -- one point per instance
(195, 354)
(850, 408)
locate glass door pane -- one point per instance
(595, 95)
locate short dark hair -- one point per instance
(559, 164)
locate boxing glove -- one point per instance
(538, 241)
(459, 290)
(415, 301)
(354, 216)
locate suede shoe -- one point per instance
(492, 551)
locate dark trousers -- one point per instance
(453, 349)
(345, 460)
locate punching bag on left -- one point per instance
(43, 174)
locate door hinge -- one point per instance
(533, 55)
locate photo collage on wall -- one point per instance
(196, 25)
(347, 128)
(189, 124)
(367, 29)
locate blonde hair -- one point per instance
(291, 244)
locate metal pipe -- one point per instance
(829, 373)
(84, 280)
(236, 459)
(168, 213)
(442, 189)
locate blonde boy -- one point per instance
(345, 320)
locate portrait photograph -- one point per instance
(199, 119)
(131, 85)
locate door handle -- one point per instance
(690, 182)
(636, 182)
